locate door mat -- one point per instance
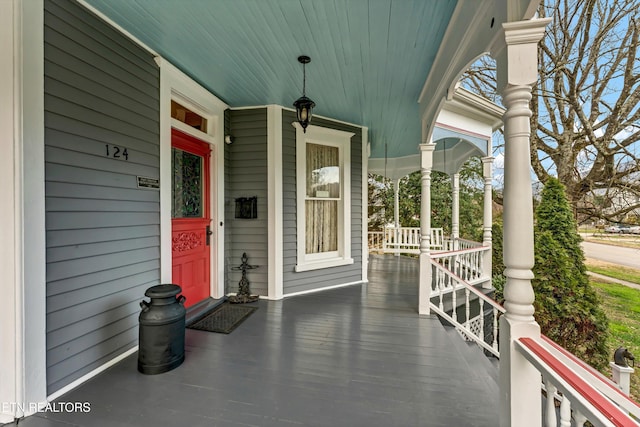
(224, 319)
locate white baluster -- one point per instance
(467, 307)
(579, 418)
(475, 265)
(481, 319)
(565, 412)
(441, 285)
(454, 265)
(454, 305)
(464, 266)
(434, 282)
(495, 328)
(550, 406)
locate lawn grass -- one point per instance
(622, 306)
(617, 272)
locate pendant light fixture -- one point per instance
(304, 106)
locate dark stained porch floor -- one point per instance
(353, 356)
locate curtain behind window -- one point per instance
(323, 182)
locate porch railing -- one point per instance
(407, 240)
(578, 393)
(467, 264)
(403, 240)
(376, 241)
(603, 384)
(472, 313)
(573, 393)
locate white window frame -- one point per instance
(333, 138)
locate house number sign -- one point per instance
(116, 152)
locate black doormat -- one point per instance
(224, 318)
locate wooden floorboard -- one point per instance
(353, 356)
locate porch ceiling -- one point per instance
(370, 60)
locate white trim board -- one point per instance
(88, 376)
(22, 221)
(326, 288)
(274, 194)
(365, 205)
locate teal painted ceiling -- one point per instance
(369, 58)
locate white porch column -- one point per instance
(455, 209)
(517, 72)
(22, 217)
(424, 288)
(396, 211)
(487, 217)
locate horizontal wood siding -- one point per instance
(246, 166)
(103, 233)
(316, 279)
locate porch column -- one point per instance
(517, 72)
(455, 209)
(487, 218)
(396, 212)
(424, 287)
(23, 367)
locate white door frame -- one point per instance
(175, 85)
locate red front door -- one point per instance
(190, 218)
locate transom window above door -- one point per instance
(188, 117)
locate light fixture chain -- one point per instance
(304, 79)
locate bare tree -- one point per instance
(586, 104)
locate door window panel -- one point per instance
(186, 188)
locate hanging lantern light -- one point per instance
(304, 106)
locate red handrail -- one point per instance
(590, 394)
(587, 367)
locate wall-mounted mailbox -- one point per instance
(247, 207)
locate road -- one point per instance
(629, 257)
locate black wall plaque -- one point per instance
(247, 207)
(146, 182)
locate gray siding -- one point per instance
(309, 280)
(102, 231)
(246, 176)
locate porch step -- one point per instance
(483, 367)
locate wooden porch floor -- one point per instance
(354, 356)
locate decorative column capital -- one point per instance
(487, 168)
(426, 153)
(517, 53)
(488, 159)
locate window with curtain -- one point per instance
(322, 198)
(323, 163)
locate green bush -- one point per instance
(567, 308)
(497, 261)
